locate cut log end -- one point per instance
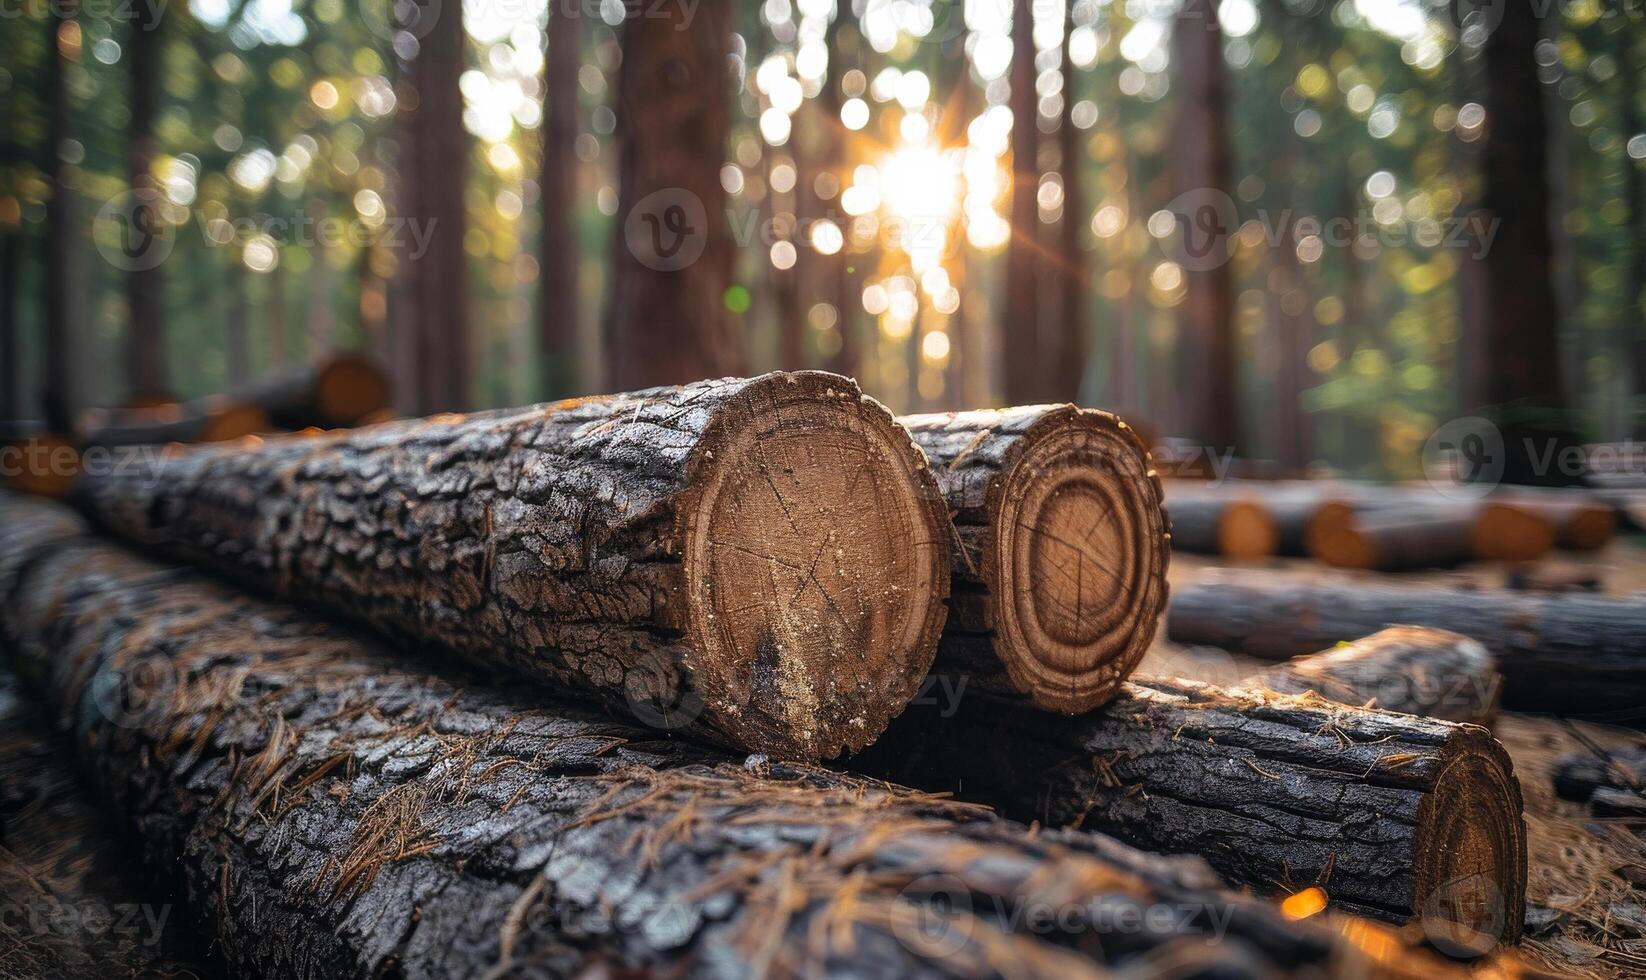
(1077, 570)
(234, 420)
(816, 555)
(1247, 532)
(1469, 856)
(1506, 533)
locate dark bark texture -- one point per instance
(74, 904)
(1393, 816)
(766, 558)
(1412, 670)
(1570, 654)
(1060, 550)
(330, 813)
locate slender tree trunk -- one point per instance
(11, 262)
(1521, 319)
(558, 306)
(320, 320)
(666, 320)
(1632, 323)
(239, 349)
(279, 339)
(1068, 362)
(433, 161)
(1019, 325)
(1201, 164)
(839, 282)
(60, 394)
(145, 342)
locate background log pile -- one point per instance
(672, 605)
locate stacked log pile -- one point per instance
(331, 812)
(766, 560)
(1572, 654)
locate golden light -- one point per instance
(935, 347)
(1308, 902)
(323, 94)
(827, 237)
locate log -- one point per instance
(1213, 521)
(1581, 521)
(1060, 550)
(1578, 775)
(211, 419)
(336, 391)
(1392, 815)
(74, 904)
(1569, 654)
(1411, 670)
(38, 462)
(765, 560)
(333, 813)
(1398, 529)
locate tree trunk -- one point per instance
(274, 316)
(1634, 195)
(11, 268)
(60, 393)
(1060, 550)
(1569, 654)
(847, 299)
(146, 342)
(75, 906)
(557, 306)
(1393, 816)
(1411, 670)
(1020, 330)
(1201, 168)
(770, 554)
(236, 339)
(433, 161)
(666, 319)
(320, 318)
(331, 813)
(1068, 355)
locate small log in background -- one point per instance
(331, 813)
(1392, 815)
(1570, 654)
(1412, 670)
(765, 559)
(1060, 552)
(212, 419)
(336, 391)
(72, 903)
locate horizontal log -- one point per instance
(1060, 551)
(1208, 520)
(72, 903)
(765, 560)
(335, 391)
(1581, 520)
(211, 419)
(1578, 775)
(332, 812)
(1571, 654)
(1412, 670)
(1392, 815)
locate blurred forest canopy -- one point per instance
(868, 178)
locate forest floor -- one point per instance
(1586, 892)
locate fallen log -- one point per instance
(1059, 559)
(1570, 654)
(1212, 521)
(1399, 529)
(73, 905)
(336, 391)
(333, 813)
(1412, 670)
(211, 419)
(35, 461)
(1577, 776)
(1392, 815)
(1581, 520)
(765, 559)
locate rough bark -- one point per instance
(1060, 550)
(214, 419)
(557, 313)
(75, 906)
(337, 390)
(772, 552)
(333, 814)
(1571, 654)
(666, 319)
(433, 161)
(1202, 166)
(1020, 328)
(1412, 670)
(1393, 816)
